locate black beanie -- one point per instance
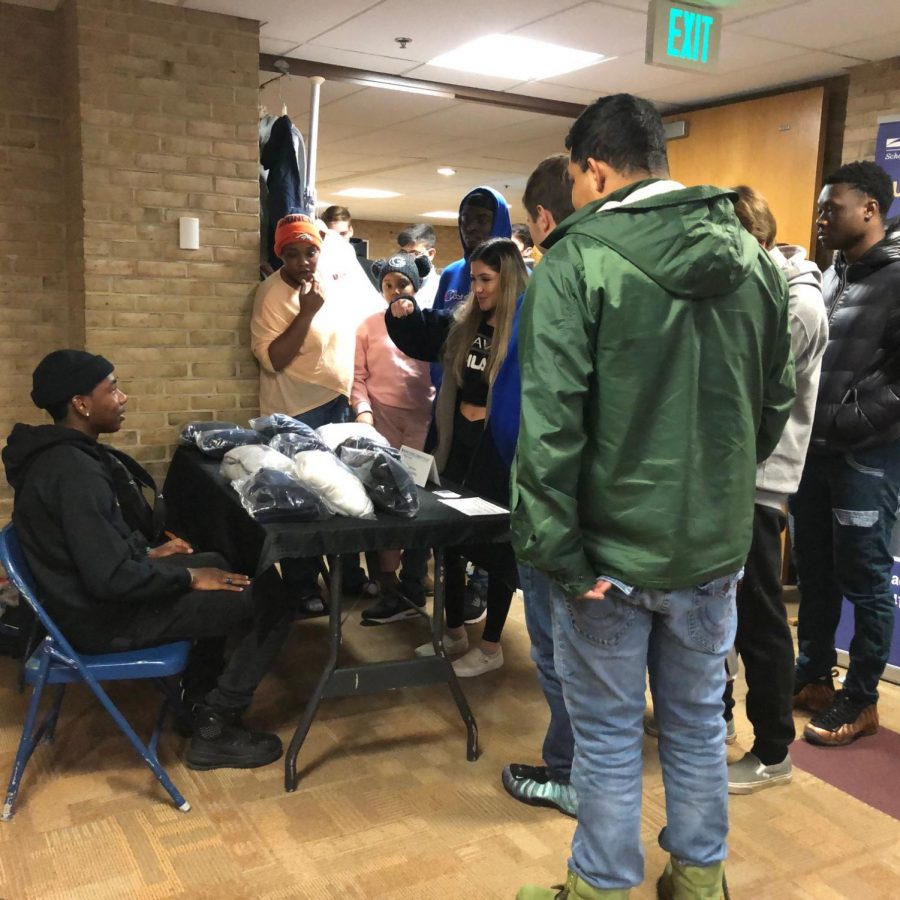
(63, 374)
(415, 268)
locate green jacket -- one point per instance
(656, 366)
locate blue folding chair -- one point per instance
(55, 662)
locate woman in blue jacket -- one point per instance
(473, 344)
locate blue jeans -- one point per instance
(843, 515)
(603, 650)
(559, 743)
(334, 411)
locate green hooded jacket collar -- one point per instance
(700, 253)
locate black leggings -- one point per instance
(503, 579)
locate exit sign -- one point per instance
(683, 36)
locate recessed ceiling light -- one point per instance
(515, 58)
(441, 214)
(446, 170)
(366, 193)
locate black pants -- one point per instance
(764, 642)
(503, 579)
(257, 619)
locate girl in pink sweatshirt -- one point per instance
(395, 394)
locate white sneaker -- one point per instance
(452, 646)
(477, 662)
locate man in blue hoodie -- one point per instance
(483, 213)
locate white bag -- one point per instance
(323, 473)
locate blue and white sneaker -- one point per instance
(534, 786)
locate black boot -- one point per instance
(221, 742)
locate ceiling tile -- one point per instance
(882, 46)
(820, 24)
(435, 27)
(547, 91)
(803, 67)
(595, 27)
(625, 73)
(275, 46)
(335, 56)
(287, 19)
(469, 79)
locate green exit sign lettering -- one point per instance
(683, 36)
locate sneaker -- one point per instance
(310, 606)
(221, 742)
(815, 696)
(452, 646)
(843, 722)
(477, 662)
(533, 785)
(474, 604)
(748, 775)
(651, 729)
(389, 608)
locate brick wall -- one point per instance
(116, 118)
(168, 110)
(874, 91)
(34, 300)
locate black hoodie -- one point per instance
(859, 390)
(89, 565)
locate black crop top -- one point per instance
(474, 387)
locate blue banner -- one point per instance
(887, 155)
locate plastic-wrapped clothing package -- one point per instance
(294, 442)
(271, 495)
(365, 443)
(324, 474)
(388, 482)
(216, 444)
(193, 430)
(242, 462)
(279, 423)
(335, 435)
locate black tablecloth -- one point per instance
(205, 509)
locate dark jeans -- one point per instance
(843, 514)
(764, 641)
(503, 579)
(257, 618)
(301, 576)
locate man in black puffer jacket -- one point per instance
(846, 505)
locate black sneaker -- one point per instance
(391, 607)
(221, 742)
(414, 591)
(475, 611)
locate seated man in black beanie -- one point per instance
(93, 543)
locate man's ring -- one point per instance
(228, 581)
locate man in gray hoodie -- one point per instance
(763, 638)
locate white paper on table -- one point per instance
(476, 506)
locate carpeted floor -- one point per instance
(388, 806)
